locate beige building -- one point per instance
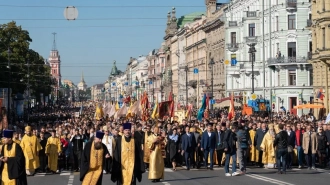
(320, 51)
(215, 34)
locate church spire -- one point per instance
(54, 42)
(82, 77)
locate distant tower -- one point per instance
(82, 84)
(55, 63)
(211, 7)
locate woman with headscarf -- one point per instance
(268, 155)
(173, 147)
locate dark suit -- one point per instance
(220, 146)
(208, 144)
(292, 143)
(188, 146)
(199, 153)
(260, 134)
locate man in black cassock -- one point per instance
(92, 164)
(117, 170)
(12, 161)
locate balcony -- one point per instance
(251, 40)
(233, 47)
(232, 23)
(287, 61)
(309, 55)
(309, 23)
(291, 5)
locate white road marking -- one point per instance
(168, 170)
(266, 179)
(71, 178)
(166, 183)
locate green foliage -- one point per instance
(16, 39)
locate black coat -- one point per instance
(16, 165)
(230, 139)
(220, 145)
(138, 165)
(85, 161)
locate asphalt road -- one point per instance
(255, 176)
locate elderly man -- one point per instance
(31, 147)
(12, 162)
(128, 159)
(92, 161)
(110, 143)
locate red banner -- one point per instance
(166, 109)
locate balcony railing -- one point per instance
(286, 60)
(291, 4)
(251, 14)
(232, 23)
(309, 55)
(233, 47)
(309, 23)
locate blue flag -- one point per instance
(200, 113)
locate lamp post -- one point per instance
(252, 42)
(186, 69)
(8, 92)
(211, 64)
(28, 88)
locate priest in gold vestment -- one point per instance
(53, 150)
(92, 161)
(12, 162)
(31, 147)
(268, 155)
(156, 162)
(128, 163)
(254, 153)
(146, 150)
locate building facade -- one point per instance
(319, 22)
(215, 34)
(267, 51)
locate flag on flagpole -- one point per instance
(200, 113)
(231, 113)
(155, 112)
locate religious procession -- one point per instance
(121, 143)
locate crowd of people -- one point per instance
(128, 147)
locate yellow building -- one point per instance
(320, 51)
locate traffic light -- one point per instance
(273, 106)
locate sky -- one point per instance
(105, 30)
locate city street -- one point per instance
(254, 176)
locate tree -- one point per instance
(17, 40)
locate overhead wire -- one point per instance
(106, 6)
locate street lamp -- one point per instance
(186, 69)
(252, 42)
(8, 92)
(211, 64)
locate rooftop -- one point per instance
(189, 18)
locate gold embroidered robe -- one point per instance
(53, 148)
(5, 176)
(31, 148)
(146, 149)
(268, 155)
(127, 160)
(156, 162)
(95, 167)
(254, 153)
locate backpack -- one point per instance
(243, 139)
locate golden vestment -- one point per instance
(95, 166)
(53, 148)
(254, 153)
(5, 176)
(146, 149)
(268, 155)
(127, 160)
(156, 162)
(17, 141)
(31, 148)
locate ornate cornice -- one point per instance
(196, 44)
(212, 24)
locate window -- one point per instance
(310, 46)
(276, 23)
(292, 77)
(292, 22)
(233, 37)
(252, 29)
(291, 49)
(310, 77)
(323, 40)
